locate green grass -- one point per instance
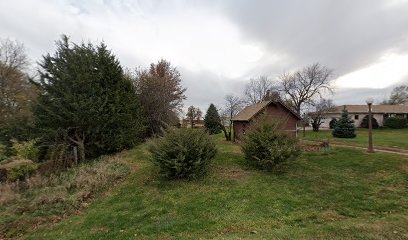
(381, 137)
(342, 193)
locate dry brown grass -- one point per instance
(234, 173)
(41, 199)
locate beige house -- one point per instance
(358, 112)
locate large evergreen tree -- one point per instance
(344, 127)
(212, 120)
(86, 101)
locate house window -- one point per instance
(355, 117)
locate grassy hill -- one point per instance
(340, 193)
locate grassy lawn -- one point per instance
(342, 193)
(381, 137)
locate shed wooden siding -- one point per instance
(276, 111)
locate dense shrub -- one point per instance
(3, 175)
(3, 155)
(18, 128)
(18, 169)
(26, 150)
(345, 127)
(364, 122)
(183, 153)
(265, 146)
(396, 122)
(332, 123)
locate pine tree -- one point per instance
(345, 127)
(86, 101)
(212, 120)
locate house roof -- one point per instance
(375, 108)
(248, 112)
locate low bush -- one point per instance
(3, 155)
(18, 169)
(332, 123)
(26, 150)
(3, 175)
(364, 122)
(396, 122)
(267, 147)
(183, 153)
(19, 128)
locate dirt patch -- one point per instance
(331, 215)
(234, 173)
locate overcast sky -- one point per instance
(219, 45)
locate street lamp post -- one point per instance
(369, 102)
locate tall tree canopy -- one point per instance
(86, 101)
(16, 92)
(212, 120)
(193, 114)
(161, 94)
(399, 96)
(302, 86)
(259, 89)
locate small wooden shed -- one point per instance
(276, 109)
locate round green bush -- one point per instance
(332, 123)
(364, 122)
(183, 153)
(396, 122)
(266, 147)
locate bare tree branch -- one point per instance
(257, 89)
(303, 86)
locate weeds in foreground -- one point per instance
(40, 199)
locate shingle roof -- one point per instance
(375, 108)
(248, 112)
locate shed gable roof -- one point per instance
(250, 111)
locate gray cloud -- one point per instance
(345, 35)
(219, 45)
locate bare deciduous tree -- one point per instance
(232, 106)
(319, 113)
(16, 92)
(302, 86)
(193, 114)
(399, 96)
(257, 89)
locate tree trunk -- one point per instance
(80, 142)
(227, 137)
(81, 150)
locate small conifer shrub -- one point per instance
(345, 127)
(267, 147)
(183, 153)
